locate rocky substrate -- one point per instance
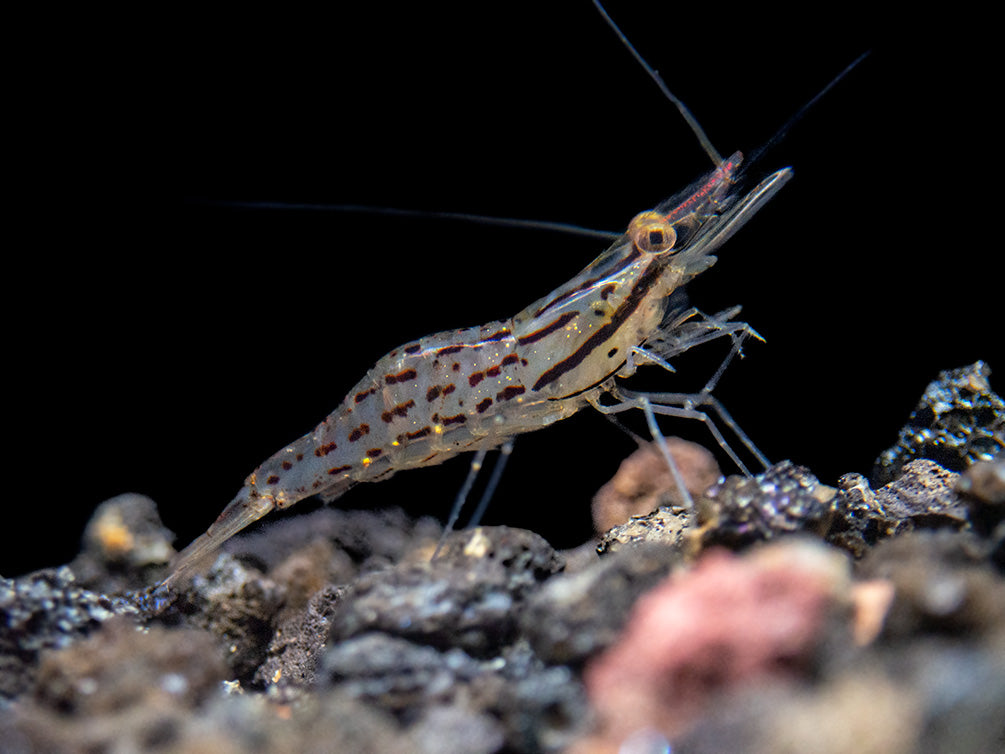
(779, 614)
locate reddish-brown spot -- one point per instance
(448, 350)
(338, 470)
(323, 450)
(607, 290)
(448, 389)
(458, 419)
(360, 397)
(400, 410)
(433, 393)
(374, 452)
(300, 456)
(523, 361)
(402, 376)
(415, 348)
(287, 465)
(612, 352)
(511, 392)
(511, 359)
(456, 367)
(492, 371)
(272, 479)
(475, 378)
(362, 429)
(419, 433)
(484, 405)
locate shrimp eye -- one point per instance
(651, 232)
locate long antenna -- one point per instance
(654, 75)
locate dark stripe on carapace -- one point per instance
(448, 389)
(287, 465)
(647, 280)
(511, 359)
(433, 393)
(492, 372)
(360, 397)
(458, 419)
(374, 452)
(475, 378)
(548, 329)
(511, 392)
(413, 348)
(323, 450)
(402, 376)
(400, 410)
(484, 405)
(448, 350)
(338, 470)
(627, 261)
(607, 290)
(362, 429)
(272, 479)
(418, 433)
(496, 335)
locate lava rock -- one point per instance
(468, 597)
(575, 616)
(46, 610)
(784, 499)
(958, 422)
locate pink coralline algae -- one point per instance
(729, 621)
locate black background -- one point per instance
(164, 346)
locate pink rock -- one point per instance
(728, 621)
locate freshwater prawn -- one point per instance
(474, 389)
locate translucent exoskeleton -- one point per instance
(476, 388)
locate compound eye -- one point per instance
(651, 232)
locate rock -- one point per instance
(643, 482)
(469, 597)
(46, 610)
(958, 422)
(727, 623)
(784, 499)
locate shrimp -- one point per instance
(476, 388)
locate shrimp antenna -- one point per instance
(655, 76)
(780, 134)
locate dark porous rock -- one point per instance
(983, 487)
(665, 526)
(924, 493)
(784, 499)
(958, 422)
(235, 604)
(359, 540)
(126, 546)
(46, 610)
(514, 695)
(922, 496)
(468, 597)
(396, 673)
(298, 642)
(574, 616)
(122, 689)
(942, 584)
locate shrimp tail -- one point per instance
(242, 511)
